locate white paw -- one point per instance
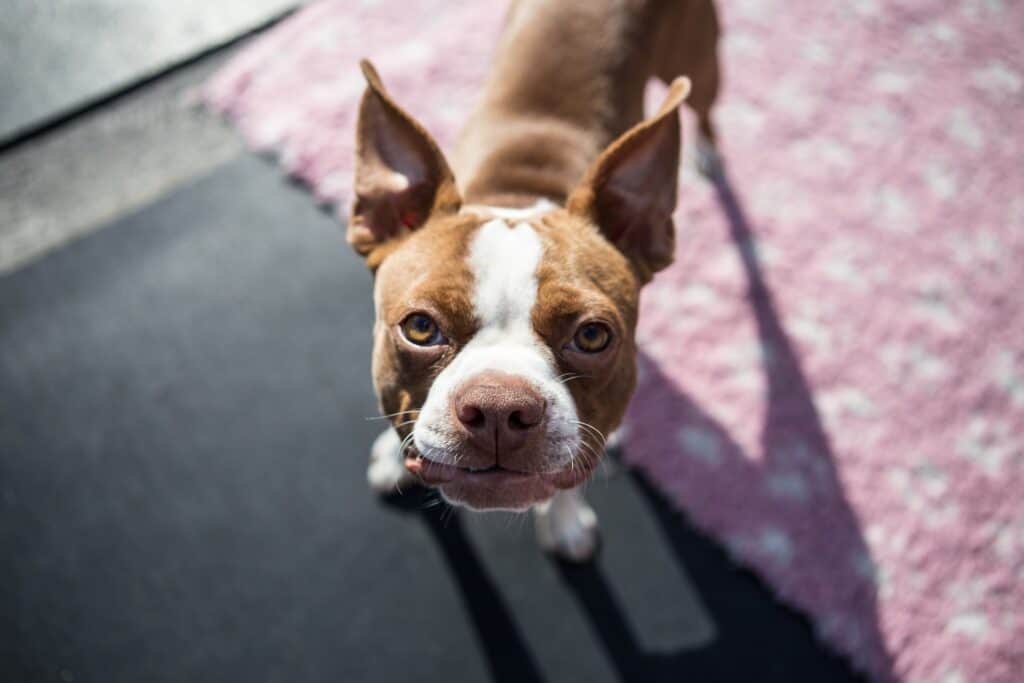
(613, 443)
(386, 472)
(567, 527)
(707, 159)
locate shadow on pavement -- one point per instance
(819, 538)
(757, 637)
(508, 656)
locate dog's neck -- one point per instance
(555, 97)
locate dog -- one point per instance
(506, 283)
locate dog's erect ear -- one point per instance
(630, 190)
(401, 176)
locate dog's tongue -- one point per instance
(430, 472)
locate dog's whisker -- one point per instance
(591, 427)
(594, 431)
(401, 452)
(391, 415)
(593, 446)
(447, 516)
(405, 443)
(569, 377)
(584, 458)
(595, 452)
(587, 441)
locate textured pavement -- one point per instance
(57, 55)
(101, 165)
(183, 440)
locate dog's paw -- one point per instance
(613, 444)
(567, 527)
(386, 473)
(707, 159)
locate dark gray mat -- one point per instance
(56, 55)
(182, 496)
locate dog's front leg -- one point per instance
(567, 526)
(387, 472)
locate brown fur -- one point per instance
(589, 280)
(428, 273)
(568, 78)
(567, 82)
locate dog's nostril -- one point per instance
(471, 416)
(515, 421)
(530, 415)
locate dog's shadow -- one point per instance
(744, 613)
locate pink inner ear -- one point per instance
(620, 211)
(398, 170)
(410, 218)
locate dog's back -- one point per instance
(569, 77)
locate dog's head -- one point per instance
(503, 344)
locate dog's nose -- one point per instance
(500, 412)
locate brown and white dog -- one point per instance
(507, 283)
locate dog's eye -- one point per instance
(592, 337)
(421, 330)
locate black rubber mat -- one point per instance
(183, 440)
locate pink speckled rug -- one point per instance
(833, 371)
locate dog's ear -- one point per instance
(629, 192)
(401, 176)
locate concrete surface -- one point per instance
(183, 439)
(57, 54)
(111, 161)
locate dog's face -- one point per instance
(503, 343)
(512, 340)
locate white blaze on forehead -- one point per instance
(504, 263)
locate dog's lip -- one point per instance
(435, 473)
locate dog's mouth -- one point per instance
(495, 487)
